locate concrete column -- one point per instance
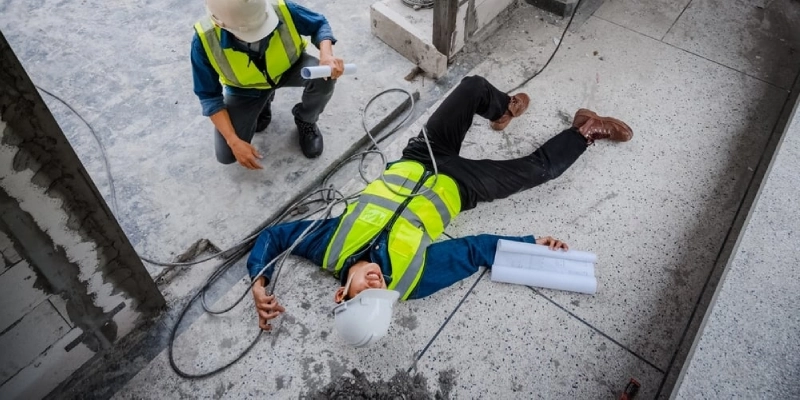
(72, 264)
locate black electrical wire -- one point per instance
(553, 54)
(238, 250)
(111, 188)
(173, 332)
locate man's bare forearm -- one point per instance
(222, 121)
(325, 49)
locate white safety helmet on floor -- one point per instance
(365, 318)
(248, 20)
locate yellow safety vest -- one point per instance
(234, 67)
(419, 221)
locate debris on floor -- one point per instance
(400, 386)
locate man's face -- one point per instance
(361, 276)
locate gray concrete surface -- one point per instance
(651, 18)
(757, 37)
(750, 339)
(655, 210)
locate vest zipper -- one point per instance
(350, 260)
(405, 202)
(266, 73)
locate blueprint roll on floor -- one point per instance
(537, 265)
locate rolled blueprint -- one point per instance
(545, 279)
(324, 71)
(537, 265)
(507, 246)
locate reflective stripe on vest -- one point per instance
(422, 220)
(337, 245)
(234, 67)
(437, 201)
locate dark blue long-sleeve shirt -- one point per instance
(206, 80)
(446, 262)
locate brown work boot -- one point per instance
(517, 106)
(594, 127)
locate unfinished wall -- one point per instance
(431, 37)
(70, 282)
(477, 17)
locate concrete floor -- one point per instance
(702, 85)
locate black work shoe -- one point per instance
(264, 118)
(310, 138)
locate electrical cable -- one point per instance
(553, 54)
(103, 155)
(235, 252)
(375, 144)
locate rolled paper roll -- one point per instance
(508, 246)
(536, 265)
(324, 71)
(545, 279)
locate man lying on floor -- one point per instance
(382, 249)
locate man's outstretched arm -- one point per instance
(269, 245)
(450, 261)
(272, 242)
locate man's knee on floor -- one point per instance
(226, 161)
(226, 158)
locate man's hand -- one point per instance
(552, 242)
(246, 154)
(336, 64)
(267, 307)
(326, 58)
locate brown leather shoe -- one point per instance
(594, 127)
(518, 104)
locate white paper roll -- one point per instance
(508, 246)
(545, 279)
(536, 265)
(324, 71)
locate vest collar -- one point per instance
(228, 41)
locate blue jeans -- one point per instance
(244, 110)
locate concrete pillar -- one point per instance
(71, 284)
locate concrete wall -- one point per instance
(70, 282)
(477, 17)
(410, 32)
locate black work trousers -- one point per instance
(487, 180)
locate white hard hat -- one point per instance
(248, 20)
(365, 318)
